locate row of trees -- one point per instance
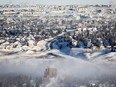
(14, 80)
(104, 36)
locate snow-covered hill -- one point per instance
(72, 63)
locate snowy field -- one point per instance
(74, 66)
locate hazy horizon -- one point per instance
(60, 2)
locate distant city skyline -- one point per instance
(59, 2)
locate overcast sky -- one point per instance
(58, 2)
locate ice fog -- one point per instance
(67, 67)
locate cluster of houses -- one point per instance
(82, 26)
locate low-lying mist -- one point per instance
(68, 68)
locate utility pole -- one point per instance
(110, 3)
(9, 4)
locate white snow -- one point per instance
(27, 61)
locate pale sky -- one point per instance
(58, 2)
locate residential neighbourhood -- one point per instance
(57, 45)
(90, 24)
